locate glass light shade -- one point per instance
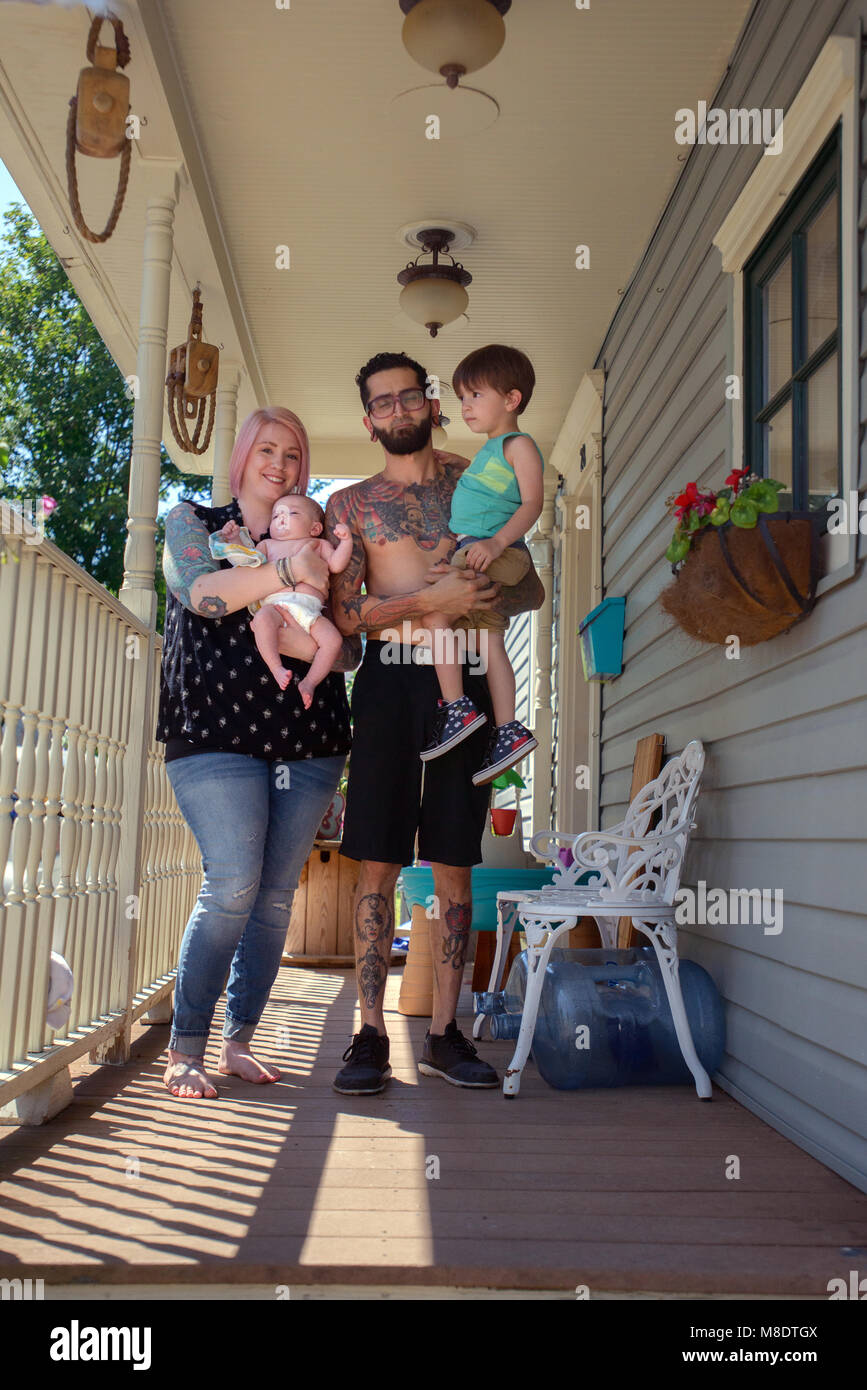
(433, 301)
(464, 33)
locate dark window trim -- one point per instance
(786, 235)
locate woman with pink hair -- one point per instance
(253, 771)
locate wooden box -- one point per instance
(320, 928)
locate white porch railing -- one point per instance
(99, 863)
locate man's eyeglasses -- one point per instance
(411, 399)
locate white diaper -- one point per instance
(305, 608)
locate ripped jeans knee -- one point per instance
(230, 894)
(273, 906)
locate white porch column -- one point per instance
(578, 537)
(137, 590)
(225, 429)
(542, 551)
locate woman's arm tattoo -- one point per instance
(186, 557)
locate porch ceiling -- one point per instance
(281, 119)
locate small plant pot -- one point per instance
(503, 819)
(751, 583)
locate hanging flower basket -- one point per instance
(753, 583)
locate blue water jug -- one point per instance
(604, 1019)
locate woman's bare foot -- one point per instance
(236, 1059)
(186, 1077)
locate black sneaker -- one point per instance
(453, 1057)
(508, 744)
(367, 1068)
(453, 723)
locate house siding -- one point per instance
(784, 802)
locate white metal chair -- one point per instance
(638, 871)
(545, 844)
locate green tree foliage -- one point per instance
(66, 411)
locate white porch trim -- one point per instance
(580, 702)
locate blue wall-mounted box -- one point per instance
(601, 635)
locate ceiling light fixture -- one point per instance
(454, 37)
(434, 294)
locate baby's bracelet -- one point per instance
(284, 572)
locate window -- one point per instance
(792, 347)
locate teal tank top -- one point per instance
(487, 494)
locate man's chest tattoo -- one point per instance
(418, 512)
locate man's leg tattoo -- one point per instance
(457, 921)
(374, 927)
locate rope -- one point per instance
(121, 41)
(179, 406)
(72, 181)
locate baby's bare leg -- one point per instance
(265, 625)
(443, 646)
(329, 641)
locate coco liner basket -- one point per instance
(751, 582)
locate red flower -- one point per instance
(48, 505)
(686, 500)
(692, 500)
(736, 477)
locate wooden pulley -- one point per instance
(97, 119)
(201, 368)
(191, 385)
(102, 106)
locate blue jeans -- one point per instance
(254, 822)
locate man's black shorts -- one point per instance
(393, 707)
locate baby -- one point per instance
(297, 533)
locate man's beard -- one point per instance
(406, 440)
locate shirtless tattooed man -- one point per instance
(398, 573)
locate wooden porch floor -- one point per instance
(292, 1184)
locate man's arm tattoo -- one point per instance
(457, 920)
(374, 929)
(186, 557)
